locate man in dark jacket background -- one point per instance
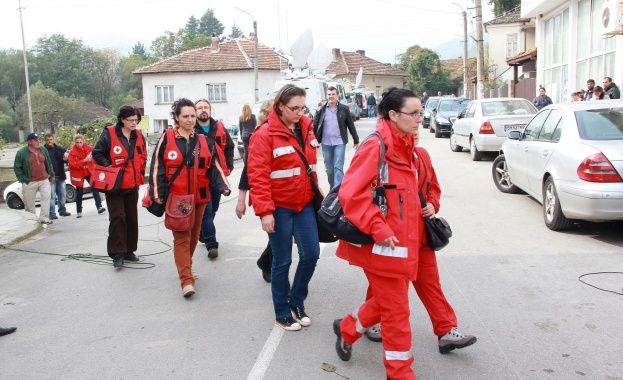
(58, 156)
(371, 100)
(330, 123)
(610, 89)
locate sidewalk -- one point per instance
(16, 225)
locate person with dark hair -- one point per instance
(330, 127)
(224, 148)
(371, 100)
(176, 148)
(542, 100)
(399, 254)
(611, 91)
(80, 168)
(58, 156)
(590, 85)
(246, 126)
(598, 93)
(123, 146)
(280, 151)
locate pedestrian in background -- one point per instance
(33, 169)
(58, 195)
(176, 148)
(611, 91)
(542, 100)
(371, 100)
(590, 85)
(282, 193)
(598, 93)
(123, 146)
(246, 126)
(80, 168)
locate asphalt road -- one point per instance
(511, 281)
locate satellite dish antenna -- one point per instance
(358, 78)
(320, 58)
(301, 48)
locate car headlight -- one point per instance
(427, 114)
(442, 120)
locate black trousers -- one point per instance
(123, 228)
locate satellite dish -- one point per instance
(358, 78)
(320, 58)
(301, 48)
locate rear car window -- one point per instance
(602, 124)
(431, 103)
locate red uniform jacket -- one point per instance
(134, 173)
(78, 169)
(277, 175)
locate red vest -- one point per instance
(220, 141)
(173, 158)
(134, 173)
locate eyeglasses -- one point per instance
(132, 120)
(295, 109)
(414, 114)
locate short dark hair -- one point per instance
(177, 106)
(48, 134)
(331, 89)
(393, 100)
(125, 111)
(286, 93)
(591, 81)
(609, 79)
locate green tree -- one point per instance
(128, 81)
(208, 24)
(174, 43)
(12, 78)
(192, 27)
(8, 132)
(236, 32)
(501, 6)
(104, 68)
(140, 50)
(425, 71)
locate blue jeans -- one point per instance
(334, 162)
(301, 225)
(371, 111)
(80, 193)
(58, 193)
(208, 230)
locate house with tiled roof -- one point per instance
(376, 75)
(223, 73)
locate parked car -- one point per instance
(569, 158)
(355, 111)
(484, 124)
(444, 113)
(14, 196)
(428, 107)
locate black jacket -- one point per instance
(57, 162)
(344, 120)
(230, 147)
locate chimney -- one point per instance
(252, 36)
(214, 46)
(336, 54)
(362, 52)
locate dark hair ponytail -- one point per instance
(393, 100)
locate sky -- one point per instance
(383, 28)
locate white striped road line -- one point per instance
(266, 356)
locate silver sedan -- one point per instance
(570, 159)
(484, 124)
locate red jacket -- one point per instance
(78, 169)
(404, 211)
(134, 173)
(277, 175)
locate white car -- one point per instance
(14, 196)
(484, 124)
(570, 159)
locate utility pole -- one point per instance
(480, 57)
(26, 68)
(465, 77)
(255, 58)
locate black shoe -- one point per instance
(101, 210)
(344, 350)
(265, 272)
(298, 313)
(288, 323)
(201, 239)
(53, 217)
(66, 213)
(130, 256)
(117, 261)
(7, 330)
(212, 252)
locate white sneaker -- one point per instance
(454, 339)
(188, 290)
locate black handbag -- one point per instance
(438, 231)
(331, 214)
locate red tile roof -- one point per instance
(508, 18)
(350, 62)
(523, 57)
(235, 54)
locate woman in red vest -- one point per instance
(177, 148)
(80, 167)
(122, 145)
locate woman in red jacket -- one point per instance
(281, 193)
(80, 167)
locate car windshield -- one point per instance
(453, 105)
(603, 124)
(508, 107)
(431, 103)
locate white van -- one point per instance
(316, 91)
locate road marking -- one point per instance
(266, 355)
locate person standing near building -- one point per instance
(330, 124)
(542, 100)
(58, 195)
(33, 169)
(424, 99)
(590, 86)
(371, 100)
(246, 126)
(224, 148)
(611, 91)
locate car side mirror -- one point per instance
(514, 135)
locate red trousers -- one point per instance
(184, 244)
(389, 304)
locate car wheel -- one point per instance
(14, 202)
(473, 151)
(71, 193)
(453, 145)
(500, 176)
(555, 220)
(437, 133)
